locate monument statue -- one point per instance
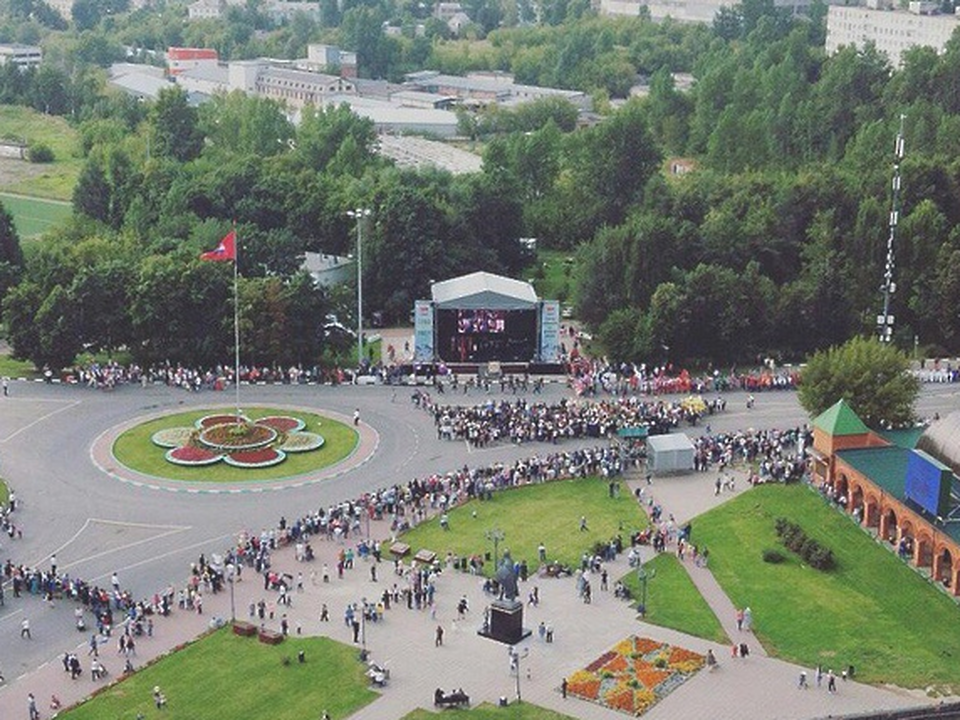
(507, 578)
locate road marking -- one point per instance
(40, 420)
(228, 536)
(173, 530)
(13, 614)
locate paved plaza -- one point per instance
(77, 505)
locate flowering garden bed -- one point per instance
(237, 440)
(634, 675)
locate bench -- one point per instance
(399, 549)
(425, 556)
(244, 629)
(270, 637)
(457, 699)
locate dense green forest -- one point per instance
(773, 243)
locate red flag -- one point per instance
(226, 250)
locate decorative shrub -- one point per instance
(40, 153)
(773, 556)
(796, 540)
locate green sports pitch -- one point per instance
(34, 216)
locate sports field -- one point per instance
(34, 216)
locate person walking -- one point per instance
(438, 636)
(802, 682)
(831, 682)
(25, 629)
(32, 707)
(563, 688)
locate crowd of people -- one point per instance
(520, 421)
(777, 454)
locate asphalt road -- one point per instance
(98, 525)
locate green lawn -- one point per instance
(673, 600)
(552, 274)
(135, 449)
(57, 179)
(514, 711)
(873, 611)
(34, 216)
(548, 513)
(4, 493)
(17, 368)
(227, 677)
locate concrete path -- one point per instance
(757, 688)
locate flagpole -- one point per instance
(236, 320)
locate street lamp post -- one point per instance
(495, 535)
(518, 656)
(359, 214)
(643, 576)
(231, 578)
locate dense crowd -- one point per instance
(520, 421)
(777, 454)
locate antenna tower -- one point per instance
(889, 287)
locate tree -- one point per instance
(175, 126)
(871, 376)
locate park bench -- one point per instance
(244, 629)
(271, 637)
(399, 549)
(425, 556)
(457, 699)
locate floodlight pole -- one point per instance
(496, 535)
(359, 214)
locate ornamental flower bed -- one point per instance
(261, 457)
(237, 440)
(634, 675)
(189, 455)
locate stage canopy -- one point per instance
(484, 291)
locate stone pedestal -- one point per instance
(504, 622)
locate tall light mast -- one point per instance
(889, 287)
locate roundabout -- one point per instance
(210, 450)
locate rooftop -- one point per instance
(840, 419)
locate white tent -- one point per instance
(669, 453)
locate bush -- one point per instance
(796, 540)
(40, 153)
(773, 556)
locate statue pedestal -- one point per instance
(505, 622)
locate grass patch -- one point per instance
(135, 449)
(486, 711)
(55, 180)
(548, 513)
(35, 216)
(552, 274)
(673, 601)
(4, 493)
(873, 611)
(214, 679)
(17, 368)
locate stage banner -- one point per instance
(550, 331)
(423, 331)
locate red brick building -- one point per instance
(865, 473)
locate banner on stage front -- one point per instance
(423, 331)
(550, 331)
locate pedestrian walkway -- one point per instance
(757, 688)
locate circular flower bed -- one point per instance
(190, 455)
(221, 419)
(261, 457)
(283, 423)
(233, 437)
(302, 442)
(173, 437)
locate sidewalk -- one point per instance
(756, 689)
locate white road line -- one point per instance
(13, 614)
(40, 420)
(97, 556)
(165, 555)
(140, 525)
(173, 529)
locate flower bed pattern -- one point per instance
(634, 675)
(189, 455)
(261, 457)
(302, 442)
(237, 440)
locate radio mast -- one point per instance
(889, 287)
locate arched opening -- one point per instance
(888, 526)
(905, 544)
(871, 511)
(841, 488)
(924, 551)
(856, 503)
(943, 570)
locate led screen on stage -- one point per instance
(471, 322)
(927, 483)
